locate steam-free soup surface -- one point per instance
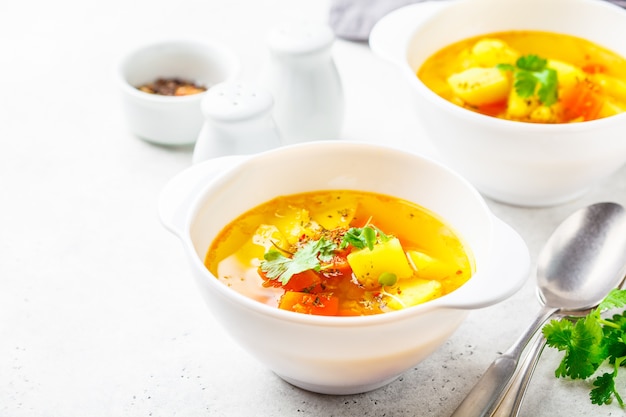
(340, 253)
(530, 76)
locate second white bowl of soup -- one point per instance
(526, 99)
(279, 245)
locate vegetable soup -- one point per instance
(340, 253)
(529, 76)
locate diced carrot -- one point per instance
(594, 68)
(493, 109)
(307, 303)
(583, 101)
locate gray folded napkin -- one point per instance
(353, 20)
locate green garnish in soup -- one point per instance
(340, 253)
(529, 76)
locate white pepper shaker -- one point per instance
(238, 121)
(302, 77)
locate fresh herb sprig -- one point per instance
(531, 74)
(363, 237)
(279, 265)
(590, 342)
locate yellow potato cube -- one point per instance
(567, 74)
(412, 292)
(267, 236)
(367, 265)
(491, 52)
(520, 107)
(611, 85)
(428, 267)
(479, 86)
(610, 108)
(294, 223)
(335, 214)
(544, 114)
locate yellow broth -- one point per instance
(591, 79)
(438, 261)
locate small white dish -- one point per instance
(171, 120)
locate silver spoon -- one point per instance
(580, 263)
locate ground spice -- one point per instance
(172, 87)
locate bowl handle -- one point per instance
(389, 35)
(178, 195)
(508, 271)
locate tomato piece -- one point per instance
(307, 280)
(308, 303)
(584, 100)
(337, 266)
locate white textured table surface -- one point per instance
(99, 315)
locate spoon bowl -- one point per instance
(594, 262)
(583, 260)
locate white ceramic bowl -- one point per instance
(514, 162)
(340, 355)
(171, 120)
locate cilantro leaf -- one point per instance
(505, 67)
(558, 333)
(586, 351)
(532, 76)
(548, 86)
(604, 389)
(278, 266)
(615, 299)
(591, 342)
(581, 343)
(525, 83)
(531, 63)
(363, 237)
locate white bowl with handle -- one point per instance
(519, 163)
(340, 355)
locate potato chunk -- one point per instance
(611, 108)
(612, 86)
(428, 267)
(412, 292)
(567, 74)
(491, 52)
(293, 223)
(367, 265)
(335, 214)
(520, 107)
(480, 86)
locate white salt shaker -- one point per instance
(302, 77)
(238, 121)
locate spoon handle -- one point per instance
(514, 395)
(485, 396)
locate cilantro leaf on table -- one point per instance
(604, 389)
(281, 267)
(592, 342)
(615, 299)
(582, 345)
(531, 75)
